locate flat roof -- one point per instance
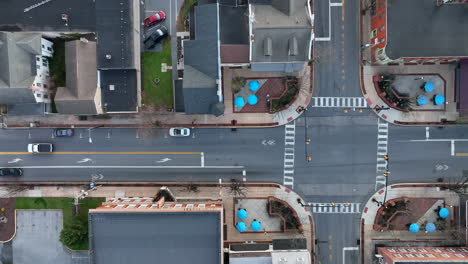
(48, 16)
(119, 90)
(147, 238)
(234, 24)
(114, 30)
(420, 28)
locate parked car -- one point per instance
(155, 18)
(156, 36)
(11, 172)
(40, 148)
(63, 132)
(179, 132)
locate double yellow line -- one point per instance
(106, 153)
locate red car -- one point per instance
(154, 19)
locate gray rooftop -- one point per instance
(419, 28)
(282, 31)
(80, 64)
(18, 56)
(201, 59)
(118, 89)
(147, 238)
(114, 30)
(234, 24)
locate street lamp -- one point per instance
(90, 140)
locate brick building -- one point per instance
(418, 31)
(406, 255)
(146, 230)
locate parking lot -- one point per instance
(170, 8)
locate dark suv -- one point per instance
(156, 36)
(11, 172)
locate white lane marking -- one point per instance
(330, 5)
(337, 208)
(289, 141)
(348, 249)
(163, 160)
(202, 157)
(452, 147)
(95, 177)
(343, 102)
(15, 160)
(270, 142)
(427, 133)
(382, 150)
(441, 167)
(84, 160)
(128, 167)
(435, 140)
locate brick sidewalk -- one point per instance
(205, 191)
(370, 237)
(167, 119)
(447, 71)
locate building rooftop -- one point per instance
(81, 75)
(202, 62)
(234, 24)
(114, 30)
(419, 28)
(118, 89)
(19, 16)
(282, 33)
(170, 238)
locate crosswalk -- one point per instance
(348, 102)
(289, 142)
(335, 208)
(382, 150)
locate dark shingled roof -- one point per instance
(147, 238)
(419, 28)
(201, 62)
(123, 97)
(114, 33)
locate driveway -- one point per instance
(170, 7)
(37, 240)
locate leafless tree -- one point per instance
(191, 187)
(15, 189)
(237, 188)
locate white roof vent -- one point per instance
(108, 56)
(111, 87)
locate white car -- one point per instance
(179, 132)
(40, 148)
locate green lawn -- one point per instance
(161, 94)
(66, 204)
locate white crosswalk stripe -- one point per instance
(337, 208)
(289, 141)
(348, 102)
(382, 150)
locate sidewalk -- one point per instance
(370, 237)
(446, 71)
(168, 119)
(205, 191)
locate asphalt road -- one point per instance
(343, 167)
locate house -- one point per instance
(406, 255)
(264, 35)
(24, 71)
(116, 64)
(142, 230)
(418, 31)
(81, 96)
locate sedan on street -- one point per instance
(179, 132)
(63, 132)
(11, 172)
